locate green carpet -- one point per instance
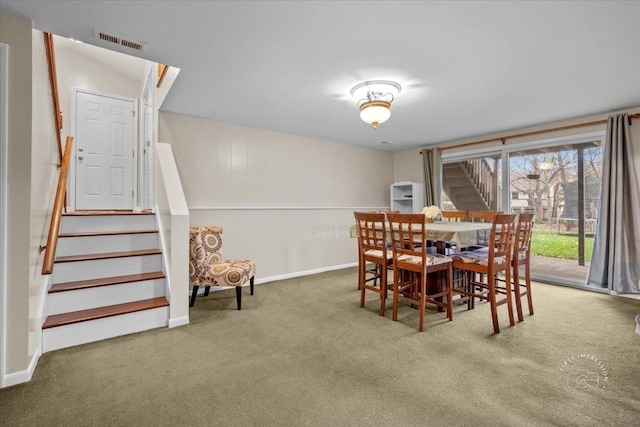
(302, 352)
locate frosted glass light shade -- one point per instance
(375, 112)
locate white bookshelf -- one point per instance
(407, 197)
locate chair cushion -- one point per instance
(432, 259)
(378, 253)
(223, 273)
(480, 257)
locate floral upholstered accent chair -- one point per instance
(207, 267)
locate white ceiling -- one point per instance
(466, 68)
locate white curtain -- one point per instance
(432, 169)
(615, 263)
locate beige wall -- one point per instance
(44, 178)
(16, 32)
(285, 201)
(408, 163)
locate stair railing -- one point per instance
(485, 179)
(56, 215)
(53, 80)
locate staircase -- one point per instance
(107, 279)
(471, 185)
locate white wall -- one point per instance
(44, 178)
(284, 201)
(17, 33)
(97, 70)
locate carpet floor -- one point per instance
(302, 352)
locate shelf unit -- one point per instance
(407, 197)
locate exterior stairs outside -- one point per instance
(461, 189)
(108, 279)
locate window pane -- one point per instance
(547, 183)
(472, 184)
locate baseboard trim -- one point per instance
(26, 375)
(304, 273)
(180, 321)
(279, 277)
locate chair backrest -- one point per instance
(205, 247)
(523, 235)
(454, 216)
(483, 216)
(501, 240)
(407, 232)
(372, 233)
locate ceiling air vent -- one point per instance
(111, 40)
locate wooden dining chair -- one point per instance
(488, 264)
(375, 271)
(485, 217)
(454, 216)
(372, 240)
(412, 265)
(522, 258)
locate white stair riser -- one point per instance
(78, 224)
(101, 329)
(83, 299)
(111, 243)
(96, 269)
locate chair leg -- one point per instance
(492, 303)
(423, 295)
(194, 292)
(468, 285)
(449, 292)
(396, 292)
(527, 278)
(516, 289)
(206, 290)
(239, 296)
(383, 289)
(363, 281)
(507, 286)
(251, 285)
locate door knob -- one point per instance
(80, 150)
(80, 158)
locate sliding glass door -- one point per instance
(557, 180)
(561, 186)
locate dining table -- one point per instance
(462, 234)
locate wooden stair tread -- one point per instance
(106, 233)
(102, 312)
(97, 213)
(107, 255)
(116, 280)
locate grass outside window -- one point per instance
(562, 245)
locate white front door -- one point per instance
(104, 152)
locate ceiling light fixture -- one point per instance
(374, 99)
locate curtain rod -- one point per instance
(534, 132)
